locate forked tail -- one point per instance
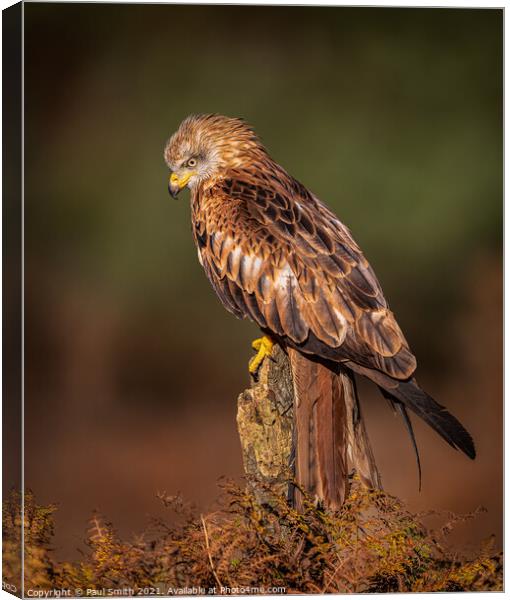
(330, 437)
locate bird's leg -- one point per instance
(264, 347)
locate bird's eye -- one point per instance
(192, 162)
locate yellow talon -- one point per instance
(264, 347)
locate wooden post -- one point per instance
(265, 419)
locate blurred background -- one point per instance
(391, 116)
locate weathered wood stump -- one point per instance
(265, 420)
(266, 424)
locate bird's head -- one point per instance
(205, 147)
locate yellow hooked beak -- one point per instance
(176, 183)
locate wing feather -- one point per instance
(277, 255)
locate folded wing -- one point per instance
(278, 256)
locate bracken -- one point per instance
(373, 544)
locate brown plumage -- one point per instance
(274, 253)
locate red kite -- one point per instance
(275, 254)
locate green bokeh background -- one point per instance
(391, 116)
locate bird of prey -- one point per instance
(276, 254)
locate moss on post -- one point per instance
(265, 420)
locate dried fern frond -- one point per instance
(373, 544)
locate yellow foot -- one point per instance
(264, 347)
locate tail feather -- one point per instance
(413, 397)
(401, 409)
(359, 451)
(435, 415)
(320, 460)
(409, 426)
(330, 437)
